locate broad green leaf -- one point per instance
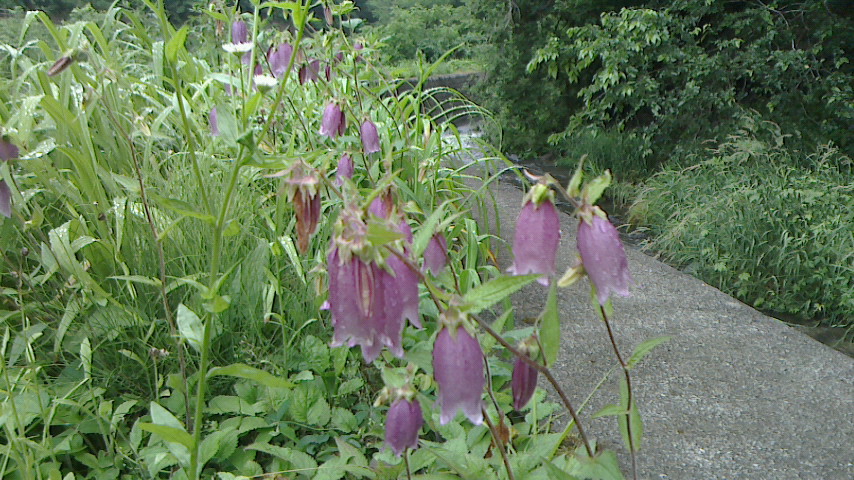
(643, 349)
(379, 234)
(495, 290)
(302, 462)
(344, 420)
(603, 466)
(550, 328)
(556, 473)
(176, 43)
(190, 327)
(170, 434)
(241, 370)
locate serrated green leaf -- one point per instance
(379, 234)
(190, 327)
(176, 43)
(643, 349)
(556, 473)
(241, 370)
(302, 462)
(495, 290)
(550, 328)
(603, 466)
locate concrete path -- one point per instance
(733, 395)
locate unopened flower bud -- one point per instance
(370, 137)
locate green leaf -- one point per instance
(550, 328)
(556, 473)
(170, 434)
(603, 466)
(86, 357)
(301, 462)
(495, 290)
(190, 327)
(610, 411)
(344, 420)
(632, 420)
(183, 208)
(427, 230)
(596, 187)
(379, 234)
(176, 43)
(574, 185)
(241, 370)
(643, 349)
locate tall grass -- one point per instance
(769, 225)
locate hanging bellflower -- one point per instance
(345, 169)
(370, 137)
(403, 421)
(334, 123)
(435, 255)
(537, 235)
(523, 383)
(459, 371)
(602, 254)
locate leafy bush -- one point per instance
(753, 221)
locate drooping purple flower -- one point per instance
(536, 241)
(8, 150)
(370, 137)
(5, 199)
(309, 71)
(213, 118)
(369, 303)
(523, 383)
(279, 59)
(403, 421)
(239, 32)
(345, 169)
(604, 257)
(381, 205)
(436, 254)
(458, 370)
(334, 123)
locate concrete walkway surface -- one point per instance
(733, 395)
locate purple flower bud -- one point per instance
(604, 257)
(345, 169)
(239, 32)
(403, 421)
(537, 239)
(370, 137)
(334, 123)
(357, 46)
(307, 212)
(523, 383)
(213, 118)
(60, 65)
(327, 13)
(279, 59)
(5, 199)
(458, 370)
(436, 255)
(8, 150)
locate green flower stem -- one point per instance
(632, 449)
(499, 443)
(219, 227)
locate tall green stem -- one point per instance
(216, 252)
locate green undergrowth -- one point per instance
(769, 225)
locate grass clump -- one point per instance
(769, 225)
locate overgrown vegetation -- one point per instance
(178, 205)
(644, 87)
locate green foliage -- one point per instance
(754, 222)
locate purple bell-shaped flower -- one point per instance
(603, 255)
(403, 421)
(458, 370)
(435, 255)
(537, 236)
(370, 137)
(334, 123)
(279, 59)
(345, 169)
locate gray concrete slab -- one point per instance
(733, 395)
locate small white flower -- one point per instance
(265, 82)
(237, 48)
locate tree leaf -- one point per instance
(241, 370)
(550, 328)
(495, 290)
(643, 349)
